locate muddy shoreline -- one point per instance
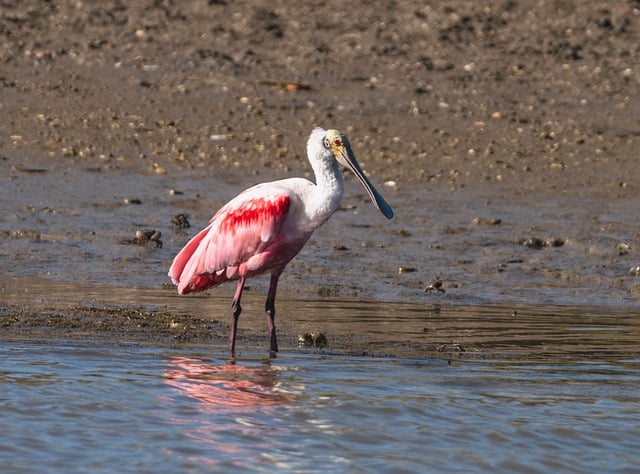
(486, 127)
(52, 312)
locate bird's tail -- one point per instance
(182, 273)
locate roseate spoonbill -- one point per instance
(264, 227)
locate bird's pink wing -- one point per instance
(241, 229)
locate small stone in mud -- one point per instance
(451, 348)
(482, 221)
(132, 201)
(22, 234)
(402, 233)
(329, 291)
(635, 271)
(181, 221)
(406, 269)
(28, 169)
(435, 285)
(312, 339)
(554, 242)
(623, 248)
(538, 243)
(340, 247)
(159, 169)
(533, 243)
(144, 236)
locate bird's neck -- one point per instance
(328, 190)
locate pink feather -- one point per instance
(240, 232)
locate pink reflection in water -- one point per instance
(234, 407)
(225, 386)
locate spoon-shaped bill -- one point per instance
(347, 158)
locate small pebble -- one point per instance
(181, 221)
(312, 339)
(144, 236)
(481, 221)
(435, 285)
(623, 248)
(406, 269)
(554, 242)
(538, 243)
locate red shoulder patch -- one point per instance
(256, 212)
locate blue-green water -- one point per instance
(125, 408)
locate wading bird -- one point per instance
(264, 227)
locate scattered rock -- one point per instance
(329, 291)
(132, 201)
(28, 169)
(482, 221)
(312, 339)
(623, 248)
(539, 243)
(181, 221)
(435, 285)
(453, 347)
(145, 236)
(533, 243)
(554, 242)
(406, 269)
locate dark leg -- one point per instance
(270, 308)
(235, 313)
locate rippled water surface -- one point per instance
(126, 408)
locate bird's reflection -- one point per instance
(224, 386)
(234, 404)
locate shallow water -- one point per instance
(70, 408)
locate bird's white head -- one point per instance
(333, 145)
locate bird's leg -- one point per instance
(270, 308)
(235, 313)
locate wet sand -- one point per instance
(504, 136)
(40, 310)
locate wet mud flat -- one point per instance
(504, 136)
(456, 274)
(50, 311)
